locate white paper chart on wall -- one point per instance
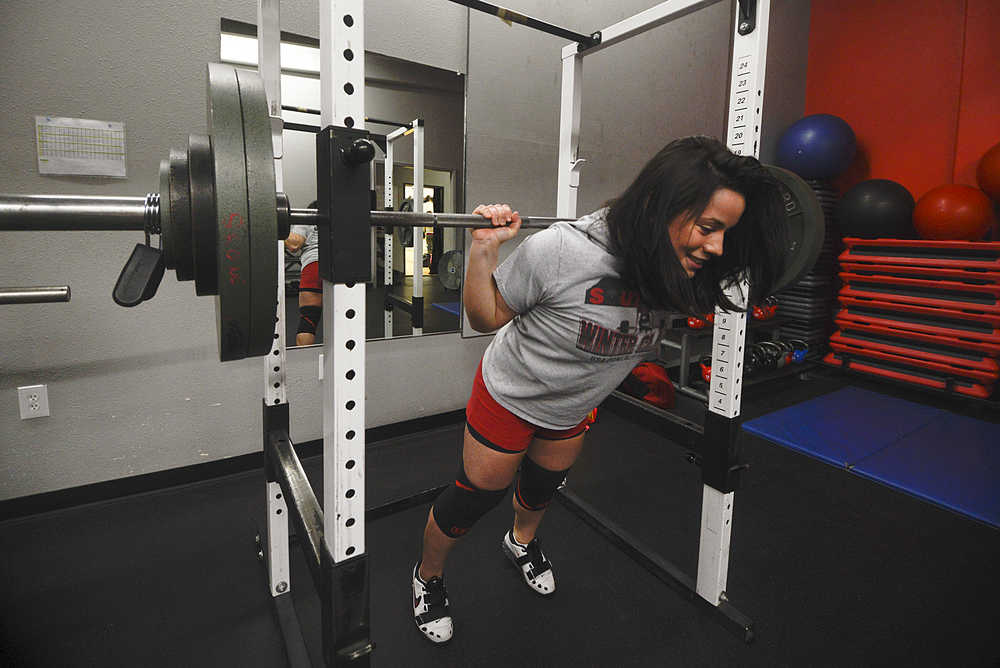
(80, 146)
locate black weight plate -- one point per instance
(450, 269)
(225, 126)
(203, 227)
(180, 213)
(262, 209)
(806, 226)
(167, 230)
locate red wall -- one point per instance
(917, 80)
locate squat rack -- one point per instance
(339, 552)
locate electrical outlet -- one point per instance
(33, 401)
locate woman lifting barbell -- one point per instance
(577, 306)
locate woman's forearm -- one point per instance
(478, 291)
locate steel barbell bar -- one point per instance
(88, 213)
(35, 295)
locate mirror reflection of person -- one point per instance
(695, 216)
(305, 238)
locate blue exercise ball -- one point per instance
(820, 146)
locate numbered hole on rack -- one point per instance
(350, 313)
(277, 385)
(348, 20)
(350, 434)
(350, 344)
(277, 369)
(350, 494)
(349, 88)
(348, 54)
(278, 495)
(278, 511)
(350, 405)
(350, 522)
(350, 374)
(349, 285)
(349, 464)
(349, 122)
(350, 551)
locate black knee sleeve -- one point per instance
(308, 318)
(536, 485)
(461, 505)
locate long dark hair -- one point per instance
(680, 180)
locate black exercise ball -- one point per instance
(876, 209)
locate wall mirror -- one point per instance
(397, 93)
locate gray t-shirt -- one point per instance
(310, 248)
(578, 331)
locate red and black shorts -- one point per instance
(496, 427)
(309, 279)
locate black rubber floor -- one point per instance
(833, 569)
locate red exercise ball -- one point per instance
(953, 212)
(988, 172)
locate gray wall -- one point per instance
(139, 391)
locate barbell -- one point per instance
(218, 214)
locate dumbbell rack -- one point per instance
(693, 343)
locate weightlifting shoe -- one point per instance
(529, 560)
(430, 608)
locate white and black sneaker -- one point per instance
(430, 607)
(534, 567)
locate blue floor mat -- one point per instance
(844, 426)
(954, 462)
(936, 455)
(450, 307)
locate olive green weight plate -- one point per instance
(262, 207)
(806, 226)
(225, 125)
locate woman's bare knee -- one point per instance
(488, 468)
